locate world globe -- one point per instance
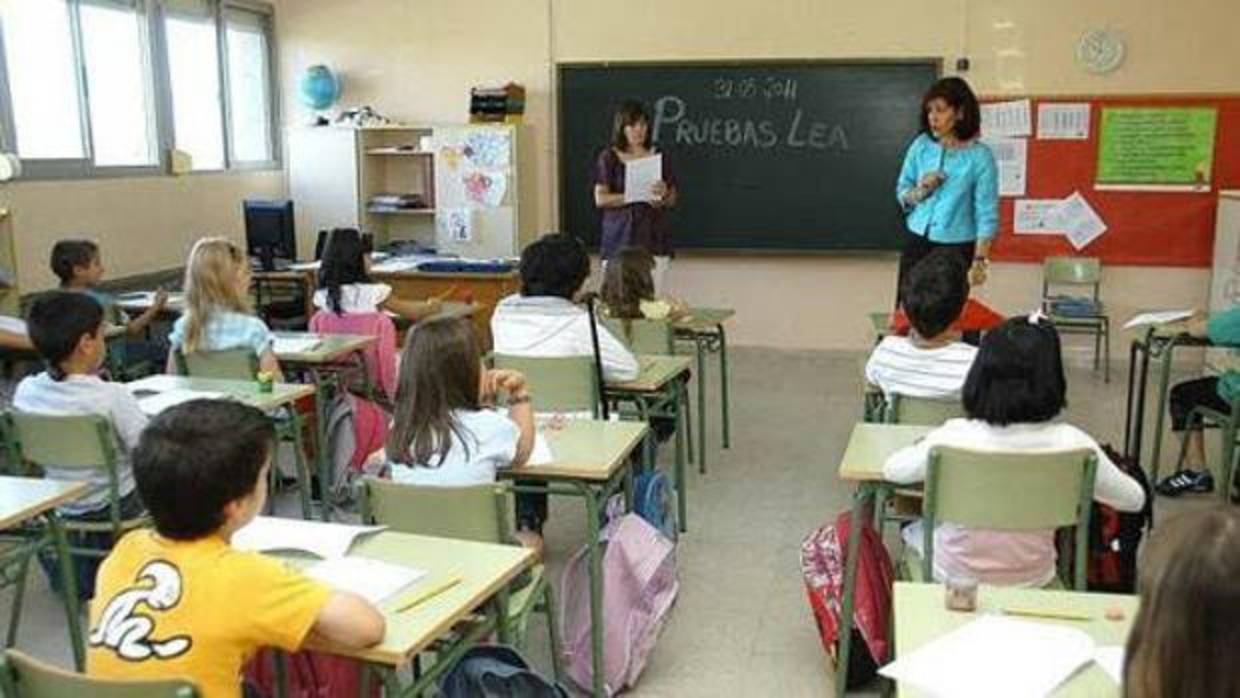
(319, 87)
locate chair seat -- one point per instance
(1078, 320)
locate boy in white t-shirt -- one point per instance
(931, 362)
(67, 328)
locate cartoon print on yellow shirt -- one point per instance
(127, 631)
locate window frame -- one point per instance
(159, 88)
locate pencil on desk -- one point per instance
(446, 294)
(427, 594)
(1044, 613)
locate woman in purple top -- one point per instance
(641, 224)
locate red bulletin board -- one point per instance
(1143, 228)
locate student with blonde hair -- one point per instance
(218, 315)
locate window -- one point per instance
(194, 74)
(46, 110)
(249, 78)
(98, 86)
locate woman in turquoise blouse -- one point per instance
(949, 184)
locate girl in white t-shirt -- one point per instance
(345, 286)
(446, 430)
(1014, 392)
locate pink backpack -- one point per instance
(380, 358)
(639, 569)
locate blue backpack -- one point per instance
(654, 499)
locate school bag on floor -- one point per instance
(639, 572)
(654, 499)
(310, 675)
(496, 671)
(822, 565)
(1114, 536)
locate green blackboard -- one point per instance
(1156, 145)
(786, 155)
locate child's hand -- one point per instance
(161, 299)
(511, 382)
(432, 306)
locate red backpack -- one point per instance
(822, 564)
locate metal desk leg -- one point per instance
(596, 588)
(864, 493)
(723, 387)
(1128, 398)
(700, 341)
(1142, 385)
(679, 473)
(69, 583)
(1164, 380)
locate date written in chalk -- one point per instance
(752, 88)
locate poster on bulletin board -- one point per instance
(1156, 148)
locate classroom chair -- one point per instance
(82, 442)
(23, 676)
(481, 513)
(655, 338)
(1007, 491)
(905, 409)
(559, 384)
(1077, 272)
(1227, 423)
(242, 365)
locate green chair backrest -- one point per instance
(558, 384)
(476, 512)
(231, 364)
(22, 676)
(643, 336)
(1071, 271)
(903, 409)
(1010, 491)
(79, 441)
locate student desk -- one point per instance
(139, 302)
(332, 355)
(589, 460)
(1160, 341)
(485, 570)
(704, 326)
(281, 394)
(657, 392)
(25, 498)
(868, 448)
(920, 617)
(448, 310)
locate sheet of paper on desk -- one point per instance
(995, 656)
(294, 345)
(327, 540)
(1161, 317)
(639, 176)
(1111, 659)
(541, 454)
(154, 404)
(373, 580)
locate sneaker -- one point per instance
(1190, 481)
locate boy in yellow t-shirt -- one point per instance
(179, 601)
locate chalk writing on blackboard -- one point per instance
(673, 123)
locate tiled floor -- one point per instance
(741, 626)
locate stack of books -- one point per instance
(391, 203)
(497, 104)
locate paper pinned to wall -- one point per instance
(1034, 216)
(1012, 119)
(1012, 158)
(485, 188)
(489, 148)
(1063, 121)
(457, 224)
(1078, 220)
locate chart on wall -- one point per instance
(1156, 147)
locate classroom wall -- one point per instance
(143, 224)
(415, 61)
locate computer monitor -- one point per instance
(269, 231)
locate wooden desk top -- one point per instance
(654, 373)
(921, 617)
(330, 347)
(246, 391)
(23, 498)
(870, 445)
(140, 301)
(703, 319)
(585, 449)
(484, 569)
